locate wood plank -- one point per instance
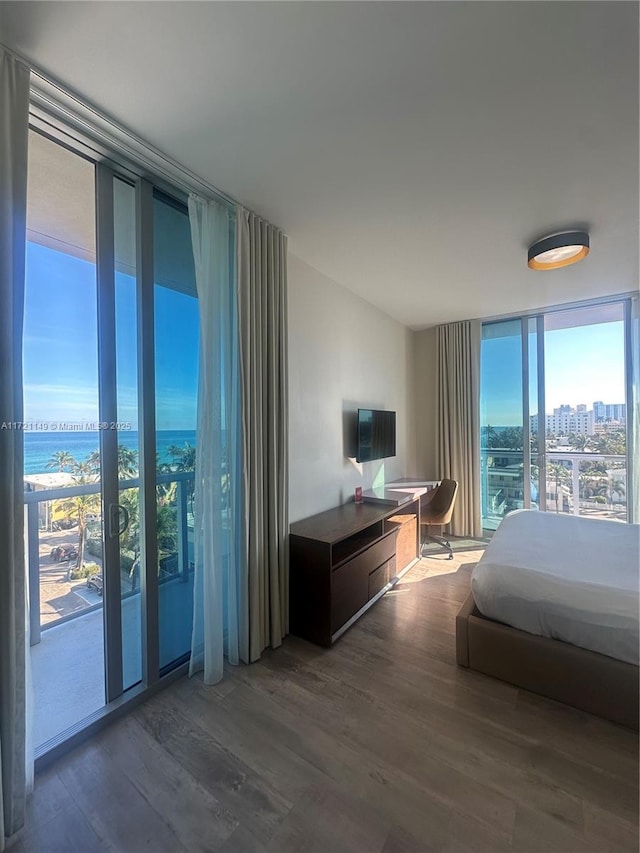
(246, 795)
(192, 813)
(380, 743)
(68, 832)
(326, 817)
(117, 812)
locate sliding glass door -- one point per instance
(126, 424)
(62, 464)
(110, 366)
(176, 330)
(119, 433)
(586, 414)
(554, 427)
(502, 421)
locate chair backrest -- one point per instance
(440, 508)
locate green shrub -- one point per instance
(599, 499)
(94, 546)
(126, 561)
(86, 571)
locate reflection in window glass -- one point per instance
(176, 362)
(501, 438)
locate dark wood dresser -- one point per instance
(343, 560)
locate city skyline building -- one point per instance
(567, 420)
(609, 411)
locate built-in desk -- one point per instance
(398, 492)
(343, 560)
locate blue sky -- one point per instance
(585, 364)
(61, 345)
(582, 364)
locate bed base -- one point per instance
(578, 677)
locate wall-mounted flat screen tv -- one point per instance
(376, 434)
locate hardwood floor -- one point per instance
(378, 745)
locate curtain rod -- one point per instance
(534, 312)
(61, 103)
(58, 102)
(559, 307)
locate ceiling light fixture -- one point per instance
(559, 250)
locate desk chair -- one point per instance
(438, 512)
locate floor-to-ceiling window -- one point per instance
(176, 324)
(61, 439)
(110, 385)
(501, 418)
(554, 427)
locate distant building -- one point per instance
(609, 412)
(566, 420)
(47, 510)
(563, 422)
(604, 427)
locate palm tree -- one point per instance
(578, 441)
(166, 492)
(130, 539)
(490, 436)
(93, 460)
(184, 458)
(512, 438)
(617, 487)
(166, 532)
(81, 507)
(61, 459)
(561, 477)
(609, 443)
(166, 528)
(127, 462)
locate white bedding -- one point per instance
(569, 578)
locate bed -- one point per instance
(553, 608)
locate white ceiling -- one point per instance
(410, 150)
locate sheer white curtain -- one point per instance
(262, 294)
(458, 419)
(16, 767)
(220, 593)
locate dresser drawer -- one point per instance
(375, 555)
(350, 581)
(349, 592)
(381, 576)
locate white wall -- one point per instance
(343, 354)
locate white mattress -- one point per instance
(569, 578)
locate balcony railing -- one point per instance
(34, 499)
(503, 486)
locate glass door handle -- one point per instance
(118, 520)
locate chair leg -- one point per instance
(425, 539)
(444, 543)
(431, 537)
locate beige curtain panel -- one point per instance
(262, 299)
(458, 419)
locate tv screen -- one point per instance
(376, 434)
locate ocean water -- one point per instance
(39, 446)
